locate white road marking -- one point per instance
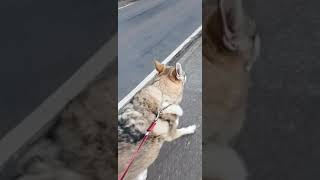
(126, 5)
(129, 96)
(47, 111)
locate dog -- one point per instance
(164, 93)
(231, 45)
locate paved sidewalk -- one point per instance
(182, 159)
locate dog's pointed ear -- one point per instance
(178, 72)
(159, 67)
(179, 69)
(232, 18)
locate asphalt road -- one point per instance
(281, 137)
(42, 43)
(182, 159)
(150, 29)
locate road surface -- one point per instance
(150, 29)
(42, 45)
(281, 138)
(182, 159)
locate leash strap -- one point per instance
(121, 177)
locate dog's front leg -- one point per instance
(181, 132)
(173, 109)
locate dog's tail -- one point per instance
(222, 163)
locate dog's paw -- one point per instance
(143, 175)
(190, 129)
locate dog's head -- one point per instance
(171, 80)
(230, 37)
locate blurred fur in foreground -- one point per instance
(230, 47)
(82, 144)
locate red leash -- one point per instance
(121, 176)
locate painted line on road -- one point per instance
(47, 111)
(129, 96)
(126, 5)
